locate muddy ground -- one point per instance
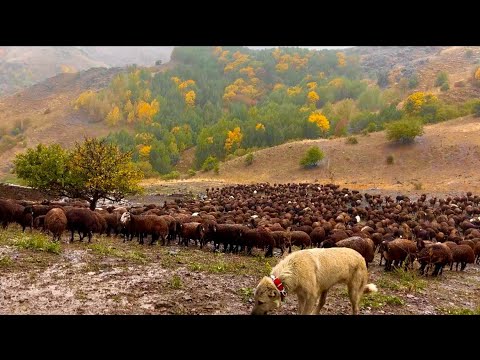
(110, 277)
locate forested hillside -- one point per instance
(227, 101)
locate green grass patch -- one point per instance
(377, 300)
(458, 311)
(196, 267)
(246, 293)
(105, 250)
(35, 241)
(176, 282)
(409, 280)
(5, 261)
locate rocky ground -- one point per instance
(109, 277)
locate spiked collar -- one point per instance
(279, 286)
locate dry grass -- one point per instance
(443, 151)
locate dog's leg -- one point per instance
(309, 308)
(301, 304)
(323, 298)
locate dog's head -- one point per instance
(267, 297)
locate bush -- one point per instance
(172, 175)
(405, 130)
(312, 157)
(390, 159)
(371, 127)
(442, 78)
(249, 159)
(216, 168)
(240, 152)
(352, 140)
(191, 172)
(47, 111)
(445, 87)
(209, 163)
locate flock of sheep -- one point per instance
(239, 218)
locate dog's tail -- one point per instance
(370, 288)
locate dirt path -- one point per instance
(110, 277)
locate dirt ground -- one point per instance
(110, 277)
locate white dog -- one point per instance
(310, 274)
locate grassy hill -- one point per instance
(445, 158)
(265, 94)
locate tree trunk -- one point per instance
(93, 203)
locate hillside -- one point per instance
(44, 111)
(223, 102)
(23, 66)
(445, 158)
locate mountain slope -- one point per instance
(46, 115)
(446, 158)
(22, 66)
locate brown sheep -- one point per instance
(317, 235)
(56, 222)
(398, 251)
(364, 246)
(299, 238)
(462, 254)
(437, 254)
(192, 231)
(82, 220)
(282, 240)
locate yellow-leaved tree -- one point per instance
(313, 97)
(114, 116)
(190, 98)
(234, 138)
(144, 151)
(146, 111)
(320, 120)
(416, 101)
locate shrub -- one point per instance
(312, 157)
(404, 130)
(371, 127)
(191, 172)
(445, 87)
(240, 152)
(249, 159)
(352, 140)
(172, 175)
(390, 159)
(442, 78)
(216, 168)
(47, 111)
(209, 163)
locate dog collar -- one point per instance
(279, 286)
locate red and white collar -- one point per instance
(279, 285)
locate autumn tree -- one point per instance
(320, 120)
(93, 170)
(113, 116)
(233, 138)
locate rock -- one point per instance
(410, 296)
(187, 297)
